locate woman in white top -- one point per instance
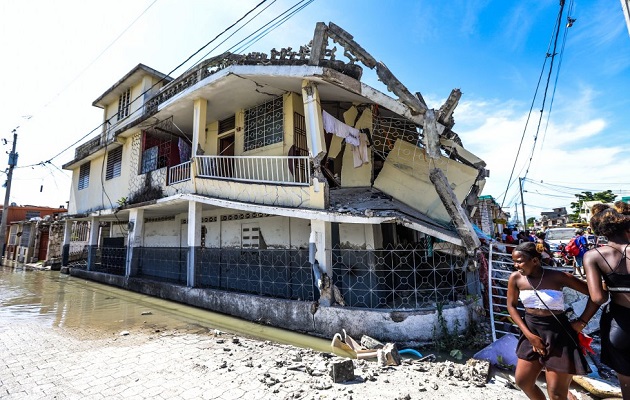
(548, 340)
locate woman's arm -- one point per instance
(591, 308)
(594, 278)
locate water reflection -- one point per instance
(63, 301)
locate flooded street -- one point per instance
(67, 338)
(76, 305)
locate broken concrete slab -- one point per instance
(342, 371)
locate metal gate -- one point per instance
(500, 266)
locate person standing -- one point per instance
(611, 262)
(590, 237)
(582, 244)
(548, 339)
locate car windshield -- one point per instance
(559, 234)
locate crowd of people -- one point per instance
(548, 339)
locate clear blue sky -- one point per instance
(60, 56)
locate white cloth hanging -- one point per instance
(333, 125)
(360, 152)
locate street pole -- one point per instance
(5, 212)
(520, 183)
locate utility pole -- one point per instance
(520, 184)
(13, 157)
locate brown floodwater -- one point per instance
(59, 300)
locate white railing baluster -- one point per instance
(264, 169)
(179, 173)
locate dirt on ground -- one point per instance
(289, 372)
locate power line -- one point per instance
(91, 63)
(102, 52)
(276, 24)
(544, 99)
(547, 55)
(146, 91)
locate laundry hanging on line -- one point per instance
(333, 125)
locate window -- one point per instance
(227, 124)
(33, 214)
(159, 150)
(250, 236)
(123, 104)
(114, 162)
(264, 124)
(84, 176)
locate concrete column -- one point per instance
(65, 251)
(92, 243)
(316, 142)
(313, 116)
(200, 110)
(321, 234)
(134, 241)
(194, 239)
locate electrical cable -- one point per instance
(226, 39)
(91, 63)
(245, 46)
(102, 52)
(547, 55)
(542, 108)
(155, 84)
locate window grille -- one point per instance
(386, 130)
(123, 104)
(158, 151)
(84, 176)
(114, 163)
(264, 124)
(13, 236)
(26, 235)
(227, 124)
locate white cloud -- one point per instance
(576, 151)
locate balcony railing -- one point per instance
(85, 149)
(263, 169)
(179, 173)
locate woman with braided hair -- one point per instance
(611, 263)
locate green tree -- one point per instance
(530, 221)
(605, 197)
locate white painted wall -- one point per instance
(163, 234)
(119, 230)
(357, 236)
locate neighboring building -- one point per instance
(553, 219)
(489, 216)
(26, 213)
(34, 240)
(271, 187)
(585, 210)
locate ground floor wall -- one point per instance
(414, 326)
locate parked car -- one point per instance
(557, 236)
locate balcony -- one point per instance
(179, 173)
(281, 170)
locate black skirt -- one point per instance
(615, 334)
(563, 354)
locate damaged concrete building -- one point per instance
(280, 188)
